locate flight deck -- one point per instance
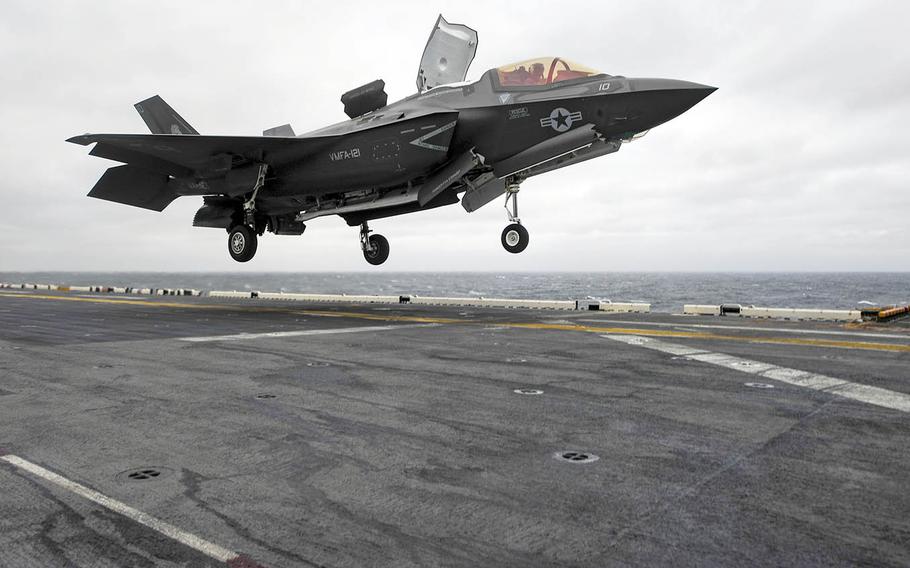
(201, 431)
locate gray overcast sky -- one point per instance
(799, 161)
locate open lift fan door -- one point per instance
(448, 55)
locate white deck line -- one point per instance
(210, 549)
(754, 328)
(815, 381)
(298, 333)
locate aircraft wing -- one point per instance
(153, 160)
(161, 167)
(180, 155)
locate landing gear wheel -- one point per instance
(242, 243)
(379, 250)
(515, 238)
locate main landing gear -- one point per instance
(242, 242)
(514, 237)
(375, 247)
(242, 238)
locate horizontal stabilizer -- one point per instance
(283, 130)
(162, 119)
(134, 186)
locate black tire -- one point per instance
(242, 243)
(379, 252)
(515, 238)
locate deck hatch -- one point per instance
(576, 457)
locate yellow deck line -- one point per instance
(748, 339)
(864, 345)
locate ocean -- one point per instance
(666, 291)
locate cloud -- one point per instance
(797, 162)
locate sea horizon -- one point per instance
(666, 291)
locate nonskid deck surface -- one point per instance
(196, 431)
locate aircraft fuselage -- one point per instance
(496, 123)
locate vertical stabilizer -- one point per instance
(284, 130)
(162, 119)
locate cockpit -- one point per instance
(542, 71)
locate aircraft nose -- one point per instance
(660, 100)
(669, 85)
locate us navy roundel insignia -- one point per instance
(560, 119)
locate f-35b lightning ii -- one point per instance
(477, 140)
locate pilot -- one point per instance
(536, 76)
(519, 76)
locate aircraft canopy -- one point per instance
(542, 71)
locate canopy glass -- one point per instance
(542, 71)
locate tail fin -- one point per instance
(284, 130)
(162, 119)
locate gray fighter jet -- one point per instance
(451, 141)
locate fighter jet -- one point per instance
(451, 141)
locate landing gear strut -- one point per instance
(242, 238)
(514, 237)
(375, 247)
(249, 206)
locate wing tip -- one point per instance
(82, 139)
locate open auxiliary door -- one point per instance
(447, 56)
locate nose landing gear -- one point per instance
(514, 237)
